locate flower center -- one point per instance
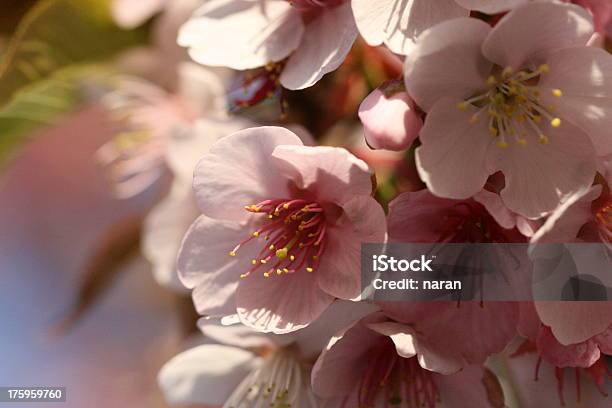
(293, 232)
(514, 107)
(392, 380)
(277, 383)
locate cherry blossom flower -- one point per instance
(149, 117)
(397, 24)
(281, 229)
(381, 361)
(525, 98)
(313, 37)
(245, 368)
(388, 118)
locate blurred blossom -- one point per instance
(529, 100)
(150, 117)
(389, 120)
(281, 229)
(307, 39)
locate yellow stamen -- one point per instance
(309, 269)
(232, 253)
(282, 253)
(556, 122)
(557, 92)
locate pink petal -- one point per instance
(398, 25)
(206, 374)
(575, 322)
(584, 75)
(453, 158)
(465, 389)
(332, 174)
(281, 303)
(539, 177)
(471, 330)
(242, 34)
(130, 14)
(238, 171)
(341, 365)
(419, 217)
(529, 33)
(204, 263)
(389, 122)
(339, 273)
(447, 62)
(326, 42)
(495, 206)
(403, 336)
(566, 221)
(576, 355)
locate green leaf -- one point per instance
(51, 54)
(42, 103)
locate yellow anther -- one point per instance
(462, 106)
(254, 261)
(270, 216)
(286, 206)
(232, 253)
(544, 69)
(266, 274)
(556, 122)
(271, 247)
(315, 257)
(507, 72)
(256, 234)
(309, 269)
(285, 270)
(493, 131)
(292, 258)
(557, 92)
(502, 144)
(263, 261)
(543, 140)
(279, 271)
(243, 275)
(282, 253)
(491, 80)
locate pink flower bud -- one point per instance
(389, 122)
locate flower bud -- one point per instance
(389, 121)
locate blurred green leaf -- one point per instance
(47, 59)
(42, 103)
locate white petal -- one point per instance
(242, 34)
(398, 23)
(205, 374)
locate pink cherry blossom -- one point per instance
(314, 36)
(281, 229)
(244, 368)
(389, 120)
(397, 24)
(524, 98)
(380, 361)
